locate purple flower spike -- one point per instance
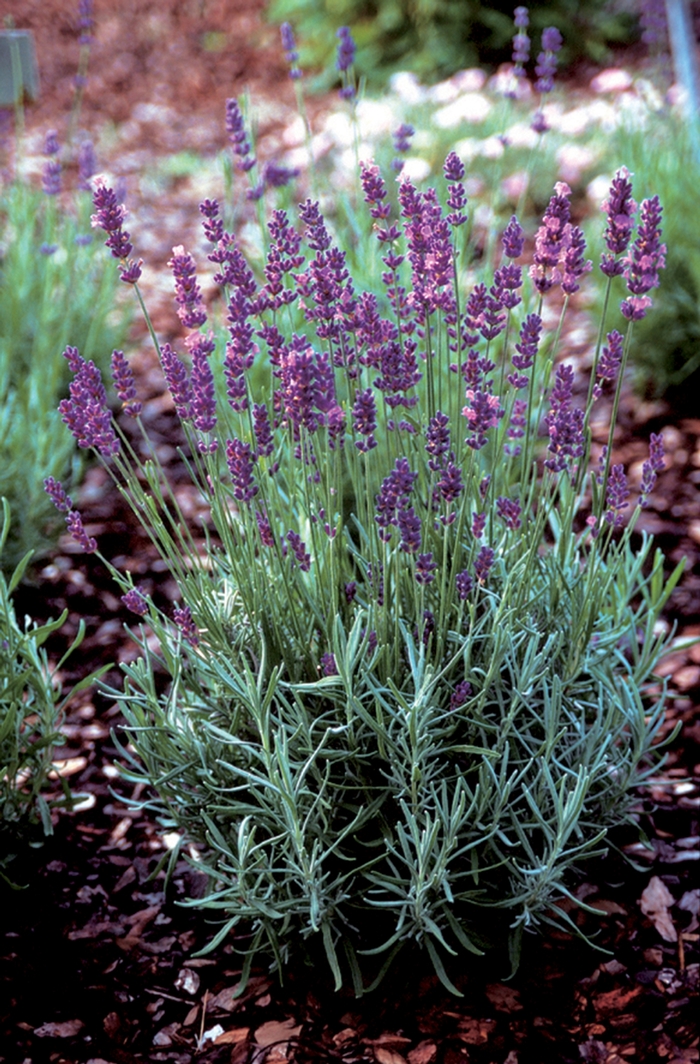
(425, 569)
(616, 496)
(653, 465)
(573, 264)
(483, 412)
(86, 412)
(483, 564)
(521, 42)
(188, 294)
(513, 239)
(182, 615)
(109, 215)
(346, 49)
(364, 413)
(530, 332)
(239, 460)
(374, 190)
(402, 144)
(74, 523)
(123, 378)
(620, 209)
(546, 61)
(328, 665)
(134, 601)
(454, 167)
(290, 50)
(87, 165)
(299, 549)
(203, 392)
(235, 127)
(410, 528)
(51, 175)
(478, 524)
(177, 379)
(609, 362)
(464, 583)
(509, 512)
(647, 255)
(456, 197)
(463, 690)
(564, 422)
(56, 492)
(551, 239)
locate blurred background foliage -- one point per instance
(436, 38)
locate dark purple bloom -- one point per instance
(634, 308)
(526, 348)
(546, 60)
(464, 582)
(109, 215)
(506, 282)
(188, 294)
(123, 377)
(177, 379)
(463, 690)
(235, 127)
(346, 49)
(653, 465)
(609, 362)
(478, 524)
(182, 615)
(290, 50)
(264, 445)
(453, 168)
(564, 422)
(573, 264)
(374, 190)
(87, 165)
(616, 496)
(134, 601)
(86, 412)
(539, 123)
(647, 254)
(516, 428)
(437, 440)
(51, 174)
(410, 528)
(450, 486)
(393, 494)
(620, 209)
(213, 225)
(74, 523)
(483, 412)
(266, 537)
(402, 144)
(364, 413)
(56, 492)
(483, 564)
(277, 176)
(299, 549)
(513, 239)
(328, 665)
(203, 392)
(350, 591)
(239, 460)
(425, 569)
(509, 512)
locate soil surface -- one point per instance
(96, 957)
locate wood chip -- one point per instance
(67, 1029)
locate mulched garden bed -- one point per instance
(96, 958)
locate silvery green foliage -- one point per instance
(407, 678)
(31, 712)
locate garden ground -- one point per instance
(96, 958)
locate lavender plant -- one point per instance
(409, 663)
(31, 712)
(54, 286)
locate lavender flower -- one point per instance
(374, 190)
(463, 691)
(609, 362)
(509, 512)
(109, 216)
(182, 615)
(188, 294)
(364, 414)
(425, 569)
(56, 492)
(564, 422)
(464, 583)
(177, 379)
(616, 496)
(526, 348)
(290, 50)
(551, 239)
(134, 601)
(517, 426)
(483, 564)
(328, 665)
(51, 174)
(263, 432)
(235, 127)
(86, 412)
(203, 391)
(573, 264)
(74, 523)
(645, 259)
(346, 49)
(393, 494)
(239, 459)
(299, 549)
(521, 45)
(453, 170)
(653, 465)
(85, 22)
(513, 239)
(123, 377)
(620, 209)
(546, 60)
(87, 165)
(483, 412)
(402, 144)
(437, 440)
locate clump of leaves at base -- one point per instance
(31, 712)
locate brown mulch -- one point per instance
(96, 958)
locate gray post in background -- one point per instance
(685, 64)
